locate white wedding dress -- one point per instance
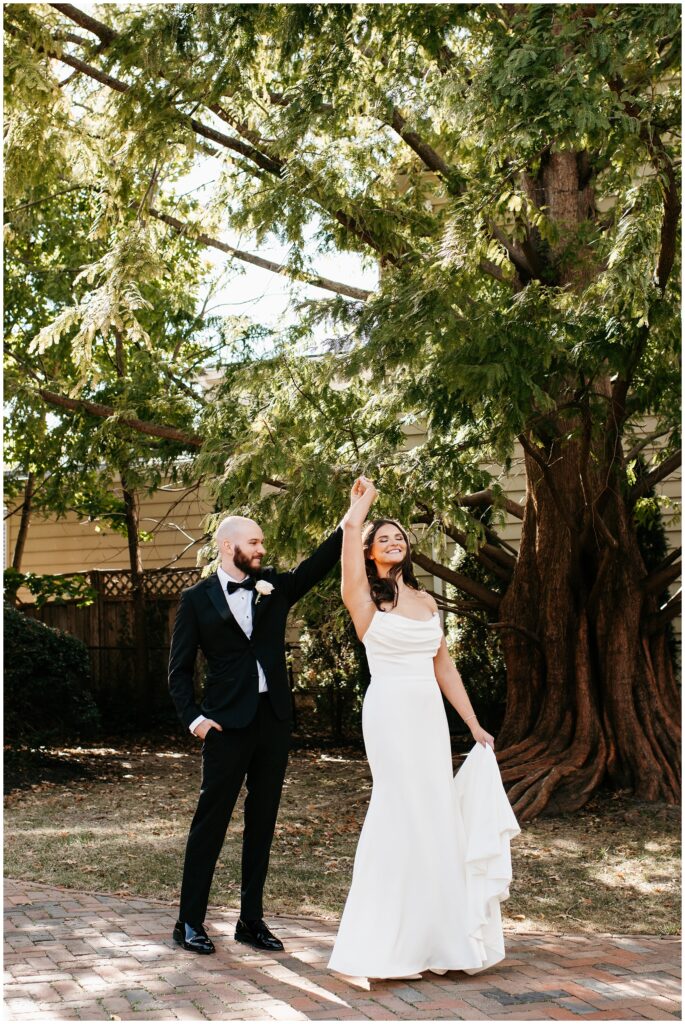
(433, 860)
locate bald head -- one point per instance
(234, 528)
(240, 543)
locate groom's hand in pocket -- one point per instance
(203, 728)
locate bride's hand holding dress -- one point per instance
(481, 736)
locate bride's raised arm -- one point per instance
(355, 590)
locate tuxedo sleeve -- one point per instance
(184, 646)
(312, 570)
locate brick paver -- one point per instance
(84, 956)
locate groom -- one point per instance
(237, 618)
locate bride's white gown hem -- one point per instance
(433, 860)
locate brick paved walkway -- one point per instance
(77, 956)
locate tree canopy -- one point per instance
(513, 170)
(419, 136)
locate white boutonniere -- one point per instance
(263, 588)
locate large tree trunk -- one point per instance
(591, 693)
(595, 698)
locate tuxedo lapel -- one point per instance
(218, 599)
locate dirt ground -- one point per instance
(115, 820)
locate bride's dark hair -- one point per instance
(384, 588)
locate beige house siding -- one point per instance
(75, 545)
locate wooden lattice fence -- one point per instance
(106, 627)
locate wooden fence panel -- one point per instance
(106, 628)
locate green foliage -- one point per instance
(651, 538)
(477, 653)
(77, 460)
(333, 669)
(46, 587)
(47, 679)
(441, 345)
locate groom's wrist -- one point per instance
(194, 724)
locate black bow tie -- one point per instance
(247, 584)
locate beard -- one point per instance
(249, 565)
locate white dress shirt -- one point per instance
(240, 603)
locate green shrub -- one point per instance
(334, 670)
(46, 587)
(47, 683)
(332, 674)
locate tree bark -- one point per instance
(595, 699)
(276, 268)
(22, 533)
(132, 513)
(24, 523)
(105, 411)
(138, 590)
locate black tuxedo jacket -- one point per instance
(205, 621)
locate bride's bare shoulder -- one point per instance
(429, 600)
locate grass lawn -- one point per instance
(115, 821)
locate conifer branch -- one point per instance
(105, 34)
(656, 475)
(671, 610)
(643, 442)
(657, 582)
(108, 411)
(428, 156)
(663, 165)
(272, 165)
(487, 598)
(487, 499)
(258, 261)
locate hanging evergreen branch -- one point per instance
(258, 261)
(109, 412)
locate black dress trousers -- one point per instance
(256, 754)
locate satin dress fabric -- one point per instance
(433, 861)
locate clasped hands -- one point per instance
(362, 496)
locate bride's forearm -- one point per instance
(455, 693)
(450, 682)
(353, 575)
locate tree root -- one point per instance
(521, 753)
(563, 781)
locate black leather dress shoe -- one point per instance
(255, 933)
(194, 939)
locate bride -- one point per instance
(432, 863)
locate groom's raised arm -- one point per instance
(184, 645)
(313, 569)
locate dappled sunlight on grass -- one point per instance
(567, 844)
(613, 867)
